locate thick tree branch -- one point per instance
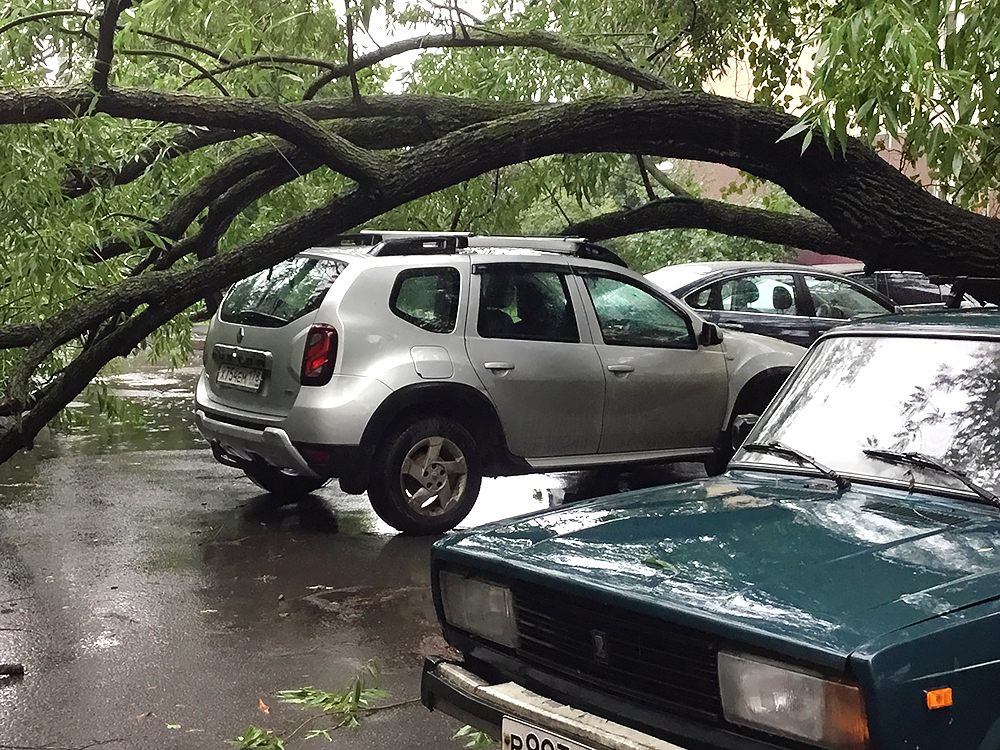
(185, 209)
(805, 232)
(237, 114)
(890, 220)
(378, 123)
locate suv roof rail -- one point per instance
(430, 243)
(425, 245)
(350, 240)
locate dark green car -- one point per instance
(839, 587)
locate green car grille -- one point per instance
(641, 659)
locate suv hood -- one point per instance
(781, 561)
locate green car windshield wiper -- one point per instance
(924, 461)
(780, 449)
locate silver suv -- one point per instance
(412, 365)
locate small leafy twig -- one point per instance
(255, 738)
(473, 737)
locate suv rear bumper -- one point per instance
(449, 688)
(245, 444)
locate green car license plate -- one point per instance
(520, 736)
(243, 378)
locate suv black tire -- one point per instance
(283, 485)
(422, 458)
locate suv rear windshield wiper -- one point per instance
(924, 461)
(780, 449)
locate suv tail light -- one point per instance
(320, 355)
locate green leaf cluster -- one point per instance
(345, 706)
(919, 79)
(473, 738)
(255, 738)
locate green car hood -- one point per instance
(782, 561)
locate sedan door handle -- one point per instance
(621, 368)
(735, 326)
(499, 365)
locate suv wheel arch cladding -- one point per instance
(465, 405)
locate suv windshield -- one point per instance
(859, 397)
(279, 295)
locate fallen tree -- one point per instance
(388, 151)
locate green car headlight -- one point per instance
(479, 607)
(793, 703)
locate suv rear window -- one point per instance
(282, 293)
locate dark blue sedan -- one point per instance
(790, 302)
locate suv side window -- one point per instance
(525, 303)
(631, 316)
(427, 298)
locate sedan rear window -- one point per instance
(282, 293)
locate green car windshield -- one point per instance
(937, 397)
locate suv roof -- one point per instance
(449, 243)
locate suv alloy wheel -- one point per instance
(425, 476)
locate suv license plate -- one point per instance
(520, 736)
(244, 378)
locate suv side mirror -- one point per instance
(742, 426)
(710, 334)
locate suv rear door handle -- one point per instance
(621, 368)
(499, 365)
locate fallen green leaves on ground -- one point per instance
(344, 708)
(254, 738)
(474, 738)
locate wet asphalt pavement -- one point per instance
(158, 600)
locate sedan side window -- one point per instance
(527, 304)
(631, 316)
(837, 299)
(765, 294)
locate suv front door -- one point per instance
(663, 391)
(524, 341)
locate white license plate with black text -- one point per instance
(520, 736)
(244, 378)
